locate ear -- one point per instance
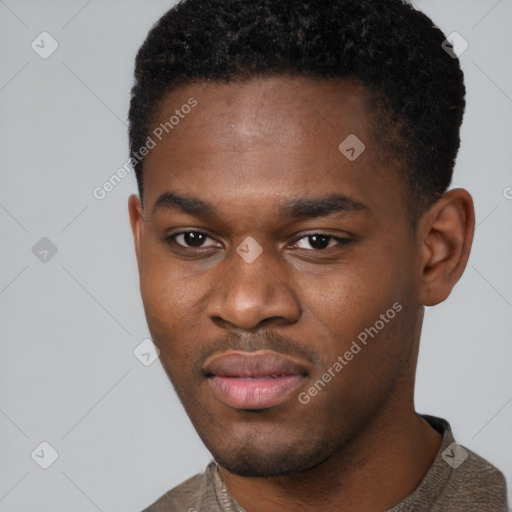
(136, 212)
(446, 233)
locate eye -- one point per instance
(319, 242)
(192, 239)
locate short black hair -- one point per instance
(416, 87)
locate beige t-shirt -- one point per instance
(458, 481)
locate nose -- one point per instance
(251, 294)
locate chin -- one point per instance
(263, 461)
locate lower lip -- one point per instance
(247, 393)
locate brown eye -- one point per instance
(192, 239)
(319, 241)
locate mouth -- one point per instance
(255, 380)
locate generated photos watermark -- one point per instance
(454, 455)
(101, 191)
(343, 360)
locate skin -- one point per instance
(247, 148)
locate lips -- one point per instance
(256, 380)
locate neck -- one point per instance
(390, 458)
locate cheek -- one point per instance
(174, 303)
(163, 289)
(166, 302)
(360, 290)
(357, 302)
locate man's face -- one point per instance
(244, 336)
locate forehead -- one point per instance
(267, 139)
(281, 109)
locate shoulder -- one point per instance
(465, 480)
(459, 480)
(476, 483)
(182, 497)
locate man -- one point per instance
(293, 220)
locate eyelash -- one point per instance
(340, 240)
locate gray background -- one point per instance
(69, 325)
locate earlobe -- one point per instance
(136, 213)
(446, 232)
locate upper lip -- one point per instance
(252, 364)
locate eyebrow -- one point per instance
(183, 204)
(320, 207)
(305, 207)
